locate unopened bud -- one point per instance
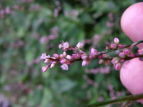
(44, 69)
(56, 56)
(60, 46)
(113, 46)
(93, 50)
(80, 45)
(64, 54)
(127, 51)
(116, 41)
(115, 60)
(52, 65)
(84, 56)
(122, 55)
(117, 66)
(85, 62)
(140, 51)
(69, 57)
(63, 60)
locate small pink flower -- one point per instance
(127, 51)
(69, 57)
(80, 45)
(117, 66)
(60, 46)
(113, 46)
(76, 56)
(56, 56)
(84, 56)
(44, 56)
(64, 67)
(115, 60)
(52, 65)
(44, 69)
(140, 51)
(66, 45)
(85, 62)
(63, 60)
(93, 50)
(116, 40)
(122, 55)
(47, 61)
(64, 54)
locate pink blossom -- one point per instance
(66, 45)
(47, 61)
(44, 69)
(44, 56)
(113, 46)
(80, 45)
(84, 56)
(64, 67)
(52, 65)
(85, 62)
(93, 50)
(60, 46)
(69, 57)
(140, 51)
(122, 55)
(116, 41)
(117, 66)
(127, 51)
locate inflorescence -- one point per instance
(124, 53)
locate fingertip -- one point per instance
(132, 22)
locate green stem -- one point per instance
(123, 99)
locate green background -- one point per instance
(34, 27)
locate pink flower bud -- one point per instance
(69, 57)
(93, 50)
(64, 67)
(115, 60)
(122, 55)
(44, 69)
(140, 51)
(60, 46)
(127, 51)
(80, 45)
(44, 56)
(52, 65)
(64, 54)
(113, 46)
(84, 56)
(85, 62)
(66, 45)
(47, 61)
(116, 41)
(118, 66)
(76, 56)
(56, 56)
(63, 60)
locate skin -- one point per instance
(131, 73)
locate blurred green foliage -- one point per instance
(29, 28)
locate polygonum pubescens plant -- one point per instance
(124, 53)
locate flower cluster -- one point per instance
(124, 52)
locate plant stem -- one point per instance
(123, 99)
